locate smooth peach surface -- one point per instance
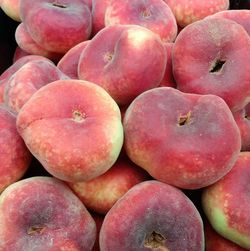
(101, 193)
(68, 64)
(26, 43)
(241, 17)
(152, 14)
(27, 80)
(57, 25)
(152, 216)
(73, 128)
(186, 140)
(14, 155)
(226, 203)
(215, 62)
(4, 77)
(42, 213)
(131, 61)
(187, 12)
(18, 64)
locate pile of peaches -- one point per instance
(125, 126)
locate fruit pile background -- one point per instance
(208, 230)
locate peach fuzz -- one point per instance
(131, 61)
(57, 26)
(4, 77)
(216, 62)
(190, 11)
(26, 43)
(15, 158)
(73, 128)
(152, 14)
(101, 193)
(68, 64)
(241, 17)
(226, 203)
(186, 140)
(42, 213)
(27, 80)
(152, 216)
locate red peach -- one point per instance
(101, 193)
(68, 64)
(27, 80)
(26, 43)
(4, 77)
(187, 12)
(152, 216)
(215, 62)
(131, 61)
(42, 213)
(241, 17)
(216, 242)
(152, 14)
(73, 128)
(186, 140)
(98, 14)
(226, 203)
(56, 25)
(14, 155)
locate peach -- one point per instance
(187, 12)
(73, 128)
(186, 140)
(42, 213)
(226, 203)
(152, 14)
(14, 155)
(11, 9)
(131, 61)
(57, 26)
(18, 64)
(4, 77)
(216, 242)
(27, 80)
(241, 17)
(101, 193)
(215, 62)
(68, 64)
(98, 15)
(26, 43)
(152, 216)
